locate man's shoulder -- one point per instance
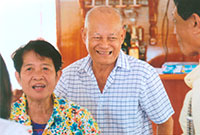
(75, 65)
(139, 64)
(188, 96)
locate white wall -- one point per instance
(21, 21)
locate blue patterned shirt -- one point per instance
(132, 97)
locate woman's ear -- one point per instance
(17, 75)
(58, 75)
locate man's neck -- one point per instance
(101, 73)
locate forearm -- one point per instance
(166, 128)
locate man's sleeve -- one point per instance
(154, 99)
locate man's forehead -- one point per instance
(106, 19)
(99, 34)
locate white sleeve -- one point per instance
(8, 127)
(195, 105)
(184, 112)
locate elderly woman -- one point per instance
(38, 67)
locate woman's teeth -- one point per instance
(38, 86)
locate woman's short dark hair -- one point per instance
(41, 47)
(5, 90)
(186, 8)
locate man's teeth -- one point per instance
(38, 86)
(105, 53)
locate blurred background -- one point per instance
(22, 21)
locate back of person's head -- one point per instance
(186, 8)
(5, 90)
(41, 47)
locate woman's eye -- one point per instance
(28, 69)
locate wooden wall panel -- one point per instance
(69, 24)
(176, 90)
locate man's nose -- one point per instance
(105, 42)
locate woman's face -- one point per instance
(38, 77)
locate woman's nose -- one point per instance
(38, 75)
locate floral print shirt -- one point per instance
(67, 118)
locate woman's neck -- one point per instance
(40, 111)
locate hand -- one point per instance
(166, 128)
(16, 95)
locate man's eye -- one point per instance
(97, 38)
(45, 68)
(112, 38)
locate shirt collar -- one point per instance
(86, 64)
(57, 114)
(19, 111)
(122, 62)
(22, 105)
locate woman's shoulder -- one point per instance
(69, 105)
(74, 113)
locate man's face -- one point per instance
(103, 39)
(183, 30)
(38, 77)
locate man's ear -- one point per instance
(83, 34)
(17, 75)
(196, 23)
(123, 35)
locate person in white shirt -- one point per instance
(186, 17)
(189, 116)
(8, 127)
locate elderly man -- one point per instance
(187, 25)
(124, 94)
